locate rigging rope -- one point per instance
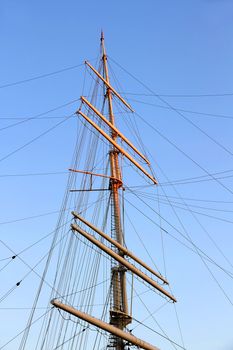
(35, 139)
(40, 76)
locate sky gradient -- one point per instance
(182, 48)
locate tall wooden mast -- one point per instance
(119, 314)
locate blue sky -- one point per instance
(175, 48)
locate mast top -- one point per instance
(102, 35)
(102, 45)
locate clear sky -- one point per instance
(175, 48)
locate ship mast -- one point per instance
(119, 314)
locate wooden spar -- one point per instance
(122, 261)
(103, 325)
(95, 110)
(93, 174)
(109, 86)
(90, 190)
(118, 245)
(115, 144)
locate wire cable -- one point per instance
(160, 334)
(34, 139)
(205, 256)
(176, 111)
(177, 95)
(184, 110)
(37, 116)
(17, 335)
(185, 154)
(41, 76)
